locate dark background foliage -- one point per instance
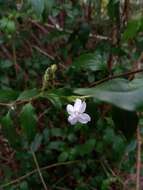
(51, 52)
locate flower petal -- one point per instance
(84, 118)
(77, 105)
(83, 107)
(72, 120)
(70, 109)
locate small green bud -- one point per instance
(49, 76)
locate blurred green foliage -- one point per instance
(51, 52)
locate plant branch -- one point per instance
(38, 169)
(116, 76)
(17, 67)
(35, 171)
(60, 29)
(43, 52)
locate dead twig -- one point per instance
(35, 171)
(43, 52)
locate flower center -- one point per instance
(76, 113)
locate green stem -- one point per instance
(38, 169)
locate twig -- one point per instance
(5, 104)
(38, 169)
(18, 102)
(116, 76)
(5, 50)
(38, 25)
(138, 172)
(15, 59)
(97, 36)
(61, 188)
(42, 114)
(126, 11)
(61, 179)
(43, 52)
(35, 171)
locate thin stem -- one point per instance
(43, 52)
(116, 76)
(138, 172)
(35, 171)
(5, 104)
(14, 58)
(18, 102)
(38, 169)
(52, 26)
(61, 179)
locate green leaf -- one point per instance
(49, 4)
(55, 100)
(46, 135)
(90, 61)
(24, 185)
(9, 129)
(133, 27)
(36, 142)
(118, 92)
(7, 25)
(113, 9)
(8, 95)
(56, 145)
(5, 64)
(107, 182)
(109, 135)
(57, 132)
(38, 6)
(28, 94)
(118, 144)
(63, 157)
(28, 121)
(11, 27)
(132, 146)
(87, 148)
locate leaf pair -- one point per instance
(28, 122)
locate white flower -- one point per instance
(76, 113)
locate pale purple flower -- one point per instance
(76, 113)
